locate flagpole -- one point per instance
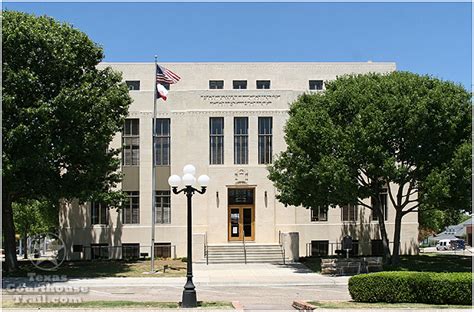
(153, 177)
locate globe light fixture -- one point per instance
(174, 180)
(189, 169)
(203, 180)
(188, 179)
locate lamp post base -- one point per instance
(189, 299)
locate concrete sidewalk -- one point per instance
(255, 274)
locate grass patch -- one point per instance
(312, 263)
(433, 262)
(106, 268)
(430, 262)
(382, 305)
(117, 304)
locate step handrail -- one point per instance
(206, 248)
(243, 241)
(281, 246)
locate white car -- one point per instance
(443, 244)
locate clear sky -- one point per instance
(427, 38)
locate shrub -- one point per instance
(413, 287)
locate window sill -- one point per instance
(100, 225)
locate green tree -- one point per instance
(369, 131)
(59, 114)
(34, 217)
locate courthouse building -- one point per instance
(227, 119)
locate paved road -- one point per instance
(469, 251)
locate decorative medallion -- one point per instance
(241, 176)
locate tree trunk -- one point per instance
(385, 241)
(9, 244)
(383, 231)
(25, 243)
(396, 238)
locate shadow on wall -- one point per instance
(361, 231)
(411, 248)
(76, 230)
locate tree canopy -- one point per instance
(366, 131)
(59, 114)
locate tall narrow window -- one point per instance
(131, 208)
(265, 140)
(162, 207)
(162, 142)
(131, 143)
(383, 205)
(99, 213)
(349, 212)
(241, 138)
(319, 213)
(216, 140)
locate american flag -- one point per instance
(164, 75)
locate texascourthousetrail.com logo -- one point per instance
(44, 289)
(46, 251)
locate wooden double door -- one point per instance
(241, 222)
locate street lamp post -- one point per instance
(189, 292)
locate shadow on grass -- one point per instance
(312, 263)
(417, 263)
(222, 305)
(103, 268)
(433, 263)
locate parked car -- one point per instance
(450, 244)
(443, 244)
(457, 244)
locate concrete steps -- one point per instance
(234, 253)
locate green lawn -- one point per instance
(381, 305)
(430, 262)
(433, 262)
(108, 268)
(117, 304)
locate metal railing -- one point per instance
(335, 249)
(127, 252)
(281, 246)
(206, 249)
(245, 251)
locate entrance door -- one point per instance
(241, 213)
(241, 222)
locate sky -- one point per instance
(426, 38)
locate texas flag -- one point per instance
(162, 92)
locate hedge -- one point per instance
(413, 287)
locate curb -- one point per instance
(303, 306)
(238, 306)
